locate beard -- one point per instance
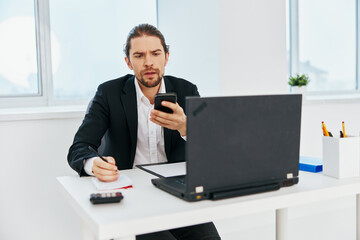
(150, 83)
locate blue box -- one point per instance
(310, 164)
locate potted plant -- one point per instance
(298, 83)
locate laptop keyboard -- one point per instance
(181, 180)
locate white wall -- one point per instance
(33, 154)
(333, 113)
(240, 49)
(252, 47)
(191, 28)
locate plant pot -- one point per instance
(299, 90)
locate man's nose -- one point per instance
(148, 61)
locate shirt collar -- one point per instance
(139, 94)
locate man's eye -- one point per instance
(138, 56)
(156, 54)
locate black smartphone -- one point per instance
(169, 97)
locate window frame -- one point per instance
(45, 96)
(293, 32)
(27, 100)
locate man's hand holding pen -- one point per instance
(104, 168)
(105, 171)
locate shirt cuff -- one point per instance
(88, 164)
(183, 137)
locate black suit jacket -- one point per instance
(114, 112)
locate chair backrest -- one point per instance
(101, 148)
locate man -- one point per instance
(135, 133)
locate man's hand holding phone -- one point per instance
(175, 120)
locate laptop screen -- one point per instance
(236, 141)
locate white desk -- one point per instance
(146, 209)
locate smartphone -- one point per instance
(169, 97)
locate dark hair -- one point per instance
(144, 30)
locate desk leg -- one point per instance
(281, 224)
(357, 216)
(86, 233)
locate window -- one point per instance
(87, 42)
(323, 43)
(59, 51)
(18, 58)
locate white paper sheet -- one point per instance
(168, 170)
(123, 181)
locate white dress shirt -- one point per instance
(150, 146)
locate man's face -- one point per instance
(147, 59)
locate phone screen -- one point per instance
(169, 97)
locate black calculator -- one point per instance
(108, 197)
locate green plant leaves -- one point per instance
(299, 80)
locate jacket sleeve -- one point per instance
(90, 132)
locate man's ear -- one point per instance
(166, 57)
(127, 60)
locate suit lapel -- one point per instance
(128, 99)
(167, 132)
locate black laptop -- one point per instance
(238, 146)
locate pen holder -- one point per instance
(341, 156)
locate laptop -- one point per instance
(238, 146)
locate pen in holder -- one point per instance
(341, 156)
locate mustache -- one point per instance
(150, 70)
